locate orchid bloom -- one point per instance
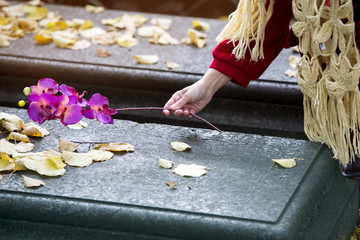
(68, 111)
(70, 91)
(99, 109)
(42, 107)
(45, 85)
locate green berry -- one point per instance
(21, 103)
(27, 91)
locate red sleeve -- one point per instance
(276, 35)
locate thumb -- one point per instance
(180, 104)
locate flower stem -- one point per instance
(160, 108)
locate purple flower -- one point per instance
(42, 108)
(70, 91)
(45, 85)
(99, 109)
(68, 111)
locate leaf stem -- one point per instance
(160, 108)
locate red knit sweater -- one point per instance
(278, 35)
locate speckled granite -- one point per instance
(245, 197)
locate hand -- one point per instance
(195, 97)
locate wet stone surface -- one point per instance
(245, 185)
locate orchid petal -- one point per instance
(62, 102)
(33, 97)
(72, 115)
(89, 113)
(67, 90)
(35, 113)
(48, 85)
(104, 118)
(97, 101)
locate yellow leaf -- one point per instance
(163, 23)
(4, 41)
(33, 130)
(150, 31)
(286, 163)
(77, 159)
(201, 25)
(171, 65)
(57, 161)
(126, 41)
(93, 9)
(294, 60)
(18, 137)
(57, 26)
(22, 147)
(32, 182)
(98, 155)
(6, 163)
(191, 170)
(165, 163)
(4, 20)
(39, 14)
(180, 146)
(115, 147)
(198, 38)
(92, 32)
(11, 122)
(147, 59)
(7, 147)
(86, 25)
(14, 10)
(29, 26)
(65, 145)
(64, 39)
(43, 37)
(78, 126)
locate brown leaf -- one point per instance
(171, 184)
(102, 52)
(11, 122)
(18, 137)
(32, 182)
(33, 130)
(65, 145)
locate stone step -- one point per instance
(245, 196)
(273, 103)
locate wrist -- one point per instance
(213, 80)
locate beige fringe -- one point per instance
(247, 24)
(329, 75)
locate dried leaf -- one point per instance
(171, 65)
(6, 163)
(11, 122)
(38, 14)
(64, 39)
(29, 26)
(291, 73)
(180, 146)
(77, 159)
(115, 147)
(4, 3)
(86, 25)
(33, 130)
(150, 31)
(138, 19)
(164, 39)
(165, 163)
(201, 25)
(4, 41)
(286, 162)
(102, 52)
(7, 147)
(163, 23)
(65, 145)
(34, 3)
(43, 37)
(14, 10)
(82, 44)
(32, 182)
(59, 25)
(18, 137)
(126, 41)
(43, 163)
(147, 59)
(98, 155)
(93, 9)
(296, 49)
(191, 170)
(22, 147)
(197, 38)
(104, 39)
(78, 126)
(92, 32)
(171, 184)
(294, 60)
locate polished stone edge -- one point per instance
(308, 207)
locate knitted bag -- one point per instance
(329, 69)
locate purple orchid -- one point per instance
(70, 91)
(99, 109)
(42, 107)
(68, 110)
(45, 85)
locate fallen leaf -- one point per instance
(4, 41)
(29, 26)
(65, 145)
(150, 31)
(147, 59)
(43, 37)
(107, 38)
(296, 49)
(102, 52)
(115, 147)
(34, 3)
(163, 23)
(164, 39)
(291, 73)
(4, 3)
(165, 163)
(77, 159)
(171, 65)
(126, 41)
(11, 122)
(64, 39)
(201, 25)
(94, 9)
(18, 137)
(180, 146)
(286, 162)
(32, 182)
(82, 44)
(78, 126)
(7, 147)
(294, 60)
(98, 155)
(38, 14)
(41, 163)
(191, 170)
(59, 25)
(23, 147)
(33, 130)
(92, 32)
(197, 38)
(6, 163)
(14, 10)
(171, 184)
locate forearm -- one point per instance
(213, 80)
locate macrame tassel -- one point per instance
(246, 28)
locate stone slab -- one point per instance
(245, 197)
